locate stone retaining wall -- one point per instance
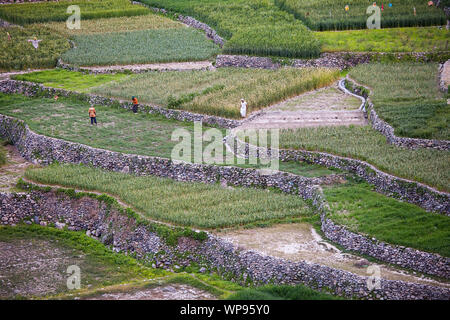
(43, 149)
(338, 60)
(388, 131)
(33, 89)
(120, 231)
(191, 22)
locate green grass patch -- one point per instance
(119, 24)
(69, 80)
(413, 105)
(144, 46)
(19, 54)
(386, 40)
(331, 14)
(251, 26)
(363, 210)
(429, 166)
(187, 204)
(281, 292)
(24, 13)
(219, 92)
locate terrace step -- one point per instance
(300, 119)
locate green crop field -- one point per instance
(118, 129)
(414, 39)
(424, 165)
(413, 105)
(178, 202)
(251, 26)
(148, 21)
(145, 46)
(24, 13)
(69, 80)
(19, 54)
(331, 14)
(219, 92)
(370, 213)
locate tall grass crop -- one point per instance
(117, 24)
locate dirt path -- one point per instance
(324, 107)
(172, 66)
(300, 242)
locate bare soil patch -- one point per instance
(324, 107)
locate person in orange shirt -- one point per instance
(135, 104)
(93, 115)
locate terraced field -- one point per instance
(332, 15)
(137, 236)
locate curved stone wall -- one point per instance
(33, 89)
(43, 149)
(388, 131)
(110, 226)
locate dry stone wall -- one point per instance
(122, 233)
(43, 149)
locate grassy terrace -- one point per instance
(251, 26)
(101, 268)
(413, 105)
(149, 21)
(431, 167)
(413, 39)
(219, 92)
(117, 130)
(331, 15)
(365, 211)
(178, 202)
